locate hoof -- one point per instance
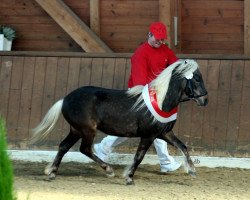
(50, 171)
(110, 172)
(192, 173)
(129, 181)
(52, 176)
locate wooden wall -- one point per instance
(36, 30)
(206, 26)
(31, 83)
(213, 26)
(124, 24)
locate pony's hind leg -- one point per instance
(172, 139)
(64, 147)
(86, 149)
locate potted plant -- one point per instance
(7, 35)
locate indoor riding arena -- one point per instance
(62, 45)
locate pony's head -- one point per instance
(179, 82)
(192, 82)
(186, 83)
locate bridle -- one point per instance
(189, 91)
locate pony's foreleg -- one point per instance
(140, 153)
(64, 147)
(172, 139)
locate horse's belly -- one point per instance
(119, 127)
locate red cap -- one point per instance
(159, 30)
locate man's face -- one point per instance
(154, 42)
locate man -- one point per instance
(148, 61)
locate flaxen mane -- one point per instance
(181, 68)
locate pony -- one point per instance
(147, 112)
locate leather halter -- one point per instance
(189, 91)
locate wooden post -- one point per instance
(74, 26)
(247, 27)
(165, 17)
(95, 16)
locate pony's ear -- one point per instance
(185, 62)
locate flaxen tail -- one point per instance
(48, 123)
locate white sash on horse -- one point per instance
(150, 100)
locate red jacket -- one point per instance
(148, 62)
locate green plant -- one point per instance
(8, 32)
(6, 171)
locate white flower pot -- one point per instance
(5, 45)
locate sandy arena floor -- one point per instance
(77, 181)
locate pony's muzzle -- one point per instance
(202, 101)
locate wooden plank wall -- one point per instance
(220, 128)
(247, 27)
(124, 24)
(207, 26)
(31, 84)
(213, 26)
(36, 30)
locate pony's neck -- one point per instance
(171, 99)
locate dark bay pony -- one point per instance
(126, 114)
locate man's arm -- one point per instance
(139, 70)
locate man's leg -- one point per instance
(106, 146)
(167, 162)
